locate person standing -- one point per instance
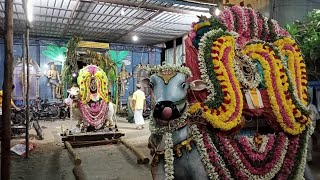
(111, 111)
(130, 108)
(138, 101)
(12, 104)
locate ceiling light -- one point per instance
(135, 38)
(217, 12)
(122, 12)
(30, 10)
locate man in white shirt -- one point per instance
(139, 101)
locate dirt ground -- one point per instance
(50, 161)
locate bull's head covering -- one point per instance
(93, 84)
(166, 72)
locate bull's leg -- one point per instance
(157, 171)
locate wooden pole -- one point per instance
(27, 93)
(7, 90)
(142, 159)
(24, 69)
(75, 156)
(78, 173)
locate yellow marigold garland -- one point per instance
(289, 48)
(84, 79)
(228, 115)
(286, 113)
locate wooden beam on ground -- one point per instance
(80, 144)
(92, 136)
(7, 89)
(75, 157)
(142, 159)
(78, 173)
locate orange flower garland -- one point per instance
(289, 48)
(288, 115)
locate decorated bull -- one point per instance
(242, 114)
(91, 97)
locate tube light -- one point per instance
(30, 10)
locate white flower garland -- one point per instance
(255, 20)
(300, 173)
(275, 26)
(177, 68)
(162, 130)
(203, 153)
(168, 156)
(244, 19)
(265, 20)
(222, 165)
(240, 76)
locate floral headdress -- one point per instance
(169, 68)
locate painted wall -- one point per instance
(136, 55)
(287, 11)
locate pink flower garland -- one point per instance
(256, 155)
(213, 156)
(288, 162)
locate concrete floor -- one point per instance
(50, 161)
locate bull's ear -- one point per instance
(197, 85)
(146, 82)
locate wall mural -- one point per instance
(20, 81)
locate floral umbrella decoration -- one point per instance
(56, 53)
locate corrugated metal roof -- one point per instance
(108, 20)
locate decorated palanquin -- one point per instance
(254, 72)
(93, 84)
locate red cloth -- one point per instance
(193, 63)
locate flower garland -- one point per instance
(177, 68)
(168, 156)
(180, 122)
(241, 77)
(280, 99)
(298, 172)
(250, 24)
(203, 153)
(238, 158)
(223, 106)
(289, 48)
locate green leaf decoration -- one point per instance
(122, 55)
(55, 53)
(113, 55)
(117, 58)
